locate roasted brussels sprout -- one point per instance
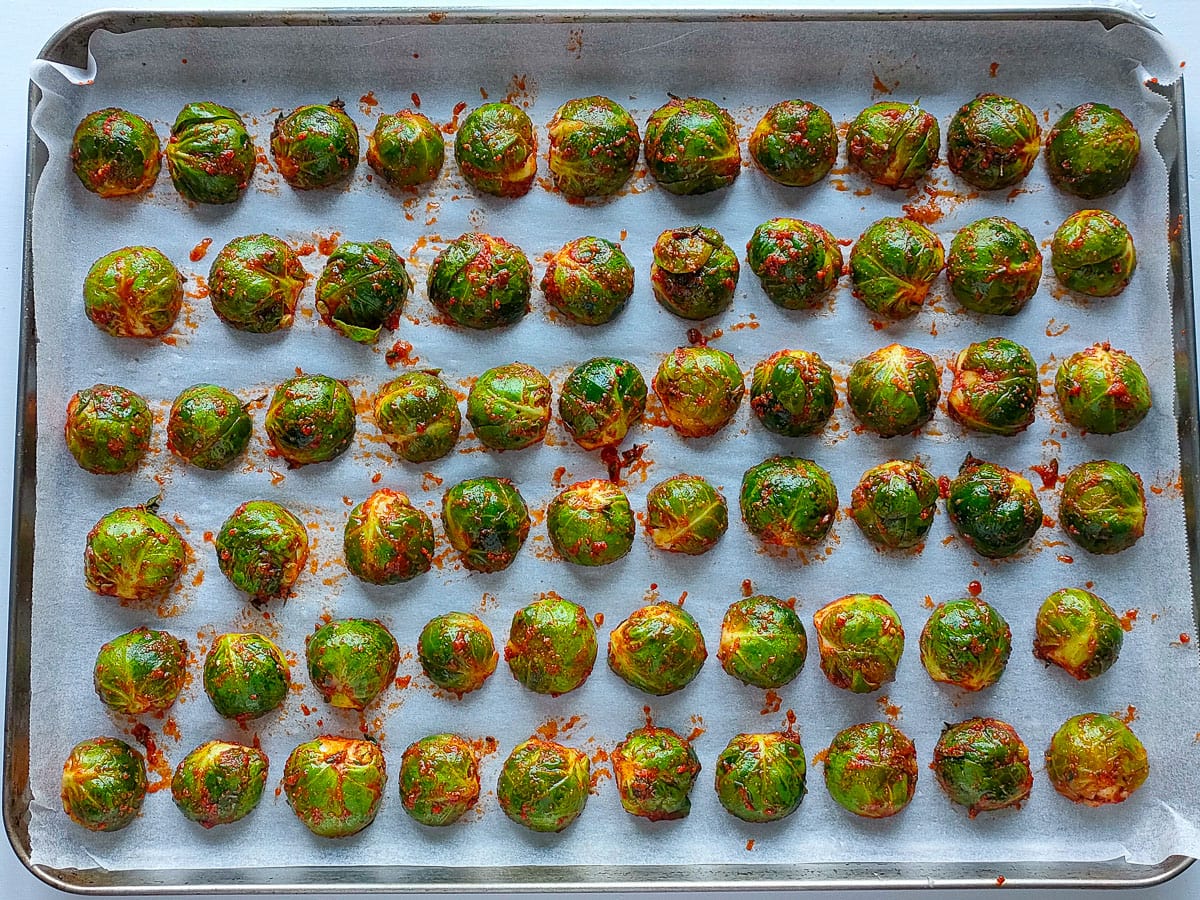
(311, 419)
(966, 643)
(894, 503)
(694, 272)
(1079, 633)
(115, 152)
(496, 150)
(254, 284)
(692, 146)
(995, 387)
(406, 149)
(589, 280)
(261, 549)
(1093, 253)
(994, 509)
(1096, 759)
(795, 143)
(439, 779)
(509, 407)
(659, 649)
(1103, 506)
(418, 415)
(686, 514)
(600, 400)
(334, 785)
(108, 429)
(315, 145)
(797, 263)
(655, 769)
(481, 281)
(210, 155)
(993, 141)
(351, 661)
(761, 777)
(590, 523)
(103, 784)
(551, 646)
(700, 389)
(787, 501)
(1102, 390)
(994, 266)
(456, 652)
(763, 642)
(245, 676)
(208, 426)
(894, 144)
(362, 290)
(1091, 150)
(594, 146)
(871, 769)
(544, 785)
(133, 554)
(388, 540)
(894, 390)
(892, 266)
(860, 639)
(219, 782)
(487, 521)
(133, 292)
(141, 671)
(792, 392)
(982, 764)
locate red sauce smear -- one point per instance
(992, 70)
(326, 245)
(200, 250)
(696, 337)
(1128, 619)
(617, 460)
(943, 486)
(974, 588)
(747, 588)
(1048, 472)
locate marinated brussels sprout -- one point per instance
(655, 769)
(761, 777)
(245, 676)
(219, 782)
(590, 523)
(993, 141)
(388, 540)
(600, 400)
(795, 143)
(659, 649)
(133, 554)
(439, 779)
(509, 407)
(871, 769)
(487, 521)
(589, 280)
(456, 652)
(792, 393)
(700, 389)
(1096, 759)
(995, 387)
(481, 281)
(894, 503)
(860, 639)
(210, 155)
(108, 429)
(406, 149)
(994, 267)
(208, 426)
(261, 549)
(254, 284)
(310, 419)
(496, 150)
(334, 785)
(418, 415)
(797, 263)
(763, 642)
(993, 508)
(594, 146)
(140, 671)
(894, 390)
(1078, 632)
(544, 785)
(1102, 390)
(315, 145)
(788, 502)
(551, 646)
(362, 290)
(133, 292)
(982, 764)
(1091, 150)
(1093, 253)
(103, 784)
(115, 152)
(692, 146)
(966, 643)
(894, 144)
(893, 265)
(694, 272)
(351, 661)
(686, 514)
(1103, 506)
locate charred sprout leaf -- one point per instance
(439, 779)
(966, 643)
(694, 272)
(894, 390)
(388, 540)
(219, 783)
(334, 785)
(1093, 253)
(133, 554)
(860, 639)
(351, 661)
(994, 266)
(141, 671)
(686, 514)
(509, 407)
(551, 646)
(993, 141)
(261, 549)
(700, 389)
(1091, 150)
(792, 393)
(601, 400)
(763, 642)
(659, 649)
(894, 504)
(692, 146)
(544, 785)
(406, 149)
(1103, 506)
(103, 784)
(892, 266)
(591, 523)
(589, 280)
(871, 769)
(994, 509)
(1102, 390)
(982, 764)
(418, 415)
(893, 144)
(481, 281)
(210, 155)
(208, 426)
(761, 777)
(254, 284)
(594, 146)
(311, 419)
(654, 769)
(115, 152)
(797, 263)
(788, 502)
(496, 150)
(133, 292)
(315, 146)
(456, 652)
(795, 143)
(1096, 759)
(245, 676)
(487, 521)
(1079, 633)
(362, 290)
(108, 429)
(995, 387)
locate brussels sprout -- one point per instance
(1091, 150)
(589, 280)
(334, 785)
(686, 514)
(792, 393)
(208, 426)
(995, 387)
(982, 764)
(103, 784)
(797, 262)
(544, 785)
(594, 145)
(315, 145)
(993, 141)
(362, 290)
(254, 284)
(210, 155)
(871, 769)
(140, 671)
(481, 281)
(795, 143)
(860, 639)
(108, 429)
(659, 649)
(994, 266)
(590, 523)
(966, 643)
(310, 419)
(894, 390)
(133, 292)
(496, 150)
(115, 152)
(893, 144)
(1102, 390)
(219, 782)
(418, 415)
(700, 389)
(1103, 506)
(261, 549)
(894, 504)
(551, 646)
(763, 642)
(788, 502)
(387, 539)
(456, 652)
(993, 508)
(692, 146)
(245, 676)
(509, 407)
(351, 661)
(406, 149)
(133, 554)
(694, 272)
(1093, 253)
(439, 779)
(655, 769)
(600, 400)
(1079, 633)
(487, 521)
(761, 777)
(892, 266)
(1096, 759)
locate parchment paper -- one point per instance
(746, 67)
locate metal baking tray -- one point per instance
(70, 46)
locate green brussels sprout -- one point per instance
(1078, 632)
(763, 642)
(103, 784)
(788, 502)
(108, 429)
(982, 764)
(966, 643)
(600, 400)
(1103, 506)
(1096, 759)
(654, 769)
(439, 779)
(496, 150)
(993, 141)
(544, 785)
(792, 393)
(686, 514)
(509, 407)
(1091, 150)
(315, 145)
(310, 419)
(761, 777)
(254, 284)
(210, 155)
(871, 769)
(894, 144)
(700, 389)
(590, 523)
(594, 146)
(1102, 390)
(893, 265)
(418, 415)
(1093, 253)
(993, 508)
(208, 426)
(334, 785)
(261, 549)
(994, 267)
(589, 280)
(133, 554)
(894, 503)
(551, 646)
(860, 639)
(406, 149)
(219, 783)
(456, 652)
(351, 661)
(795, 143)
(115, 152)
(487, 521)
(692, 146)
(245, 676)
(894, 390)
(388, 540)
(694, 272)
(798, 263)
(141, 671)
(362, 290)
(659, 649)
(995, 387)
(481, 281)
(133, 292)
